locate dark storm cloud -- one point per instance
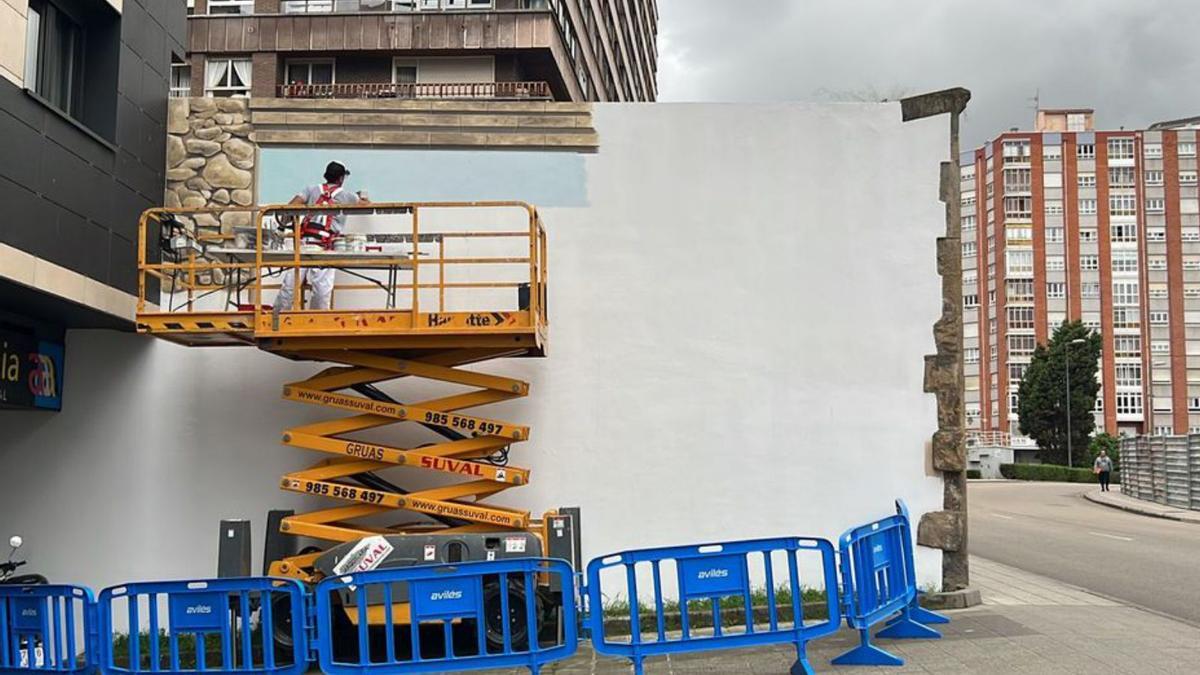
(1134, 61)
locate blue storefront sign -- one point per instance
(31, 372)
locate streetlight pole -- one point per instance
(1076, 341)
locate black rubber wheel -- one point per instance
(517, 623)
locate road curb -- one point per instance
(1178, 516)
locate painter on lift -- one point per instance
(319, 229)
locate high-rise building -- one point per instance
(564, 50)
(1065, 222)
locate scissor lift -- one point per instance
(215, 291)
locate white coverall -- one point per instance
(320, 279)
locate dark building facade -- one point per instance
(565, 50)
(83, 113)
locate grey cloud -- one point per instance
(1134, 61)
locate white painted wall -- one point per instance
(738, 325)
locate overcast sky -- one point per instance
(1135, 61)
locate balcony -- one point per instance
(519, 91)
(357, 6)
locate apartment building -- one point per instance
(563, 50)
(83, 117)
(1065, 222)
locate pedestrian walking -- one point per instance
(1102, 467)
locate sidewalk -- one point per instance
(1124, 502)
(1027, 624)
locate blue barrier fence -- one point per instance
(47, 628)
(878, 583)
(480, 615)
(706, 578)
(446, 618)
(224, 625)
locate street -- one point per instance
(1050, 529)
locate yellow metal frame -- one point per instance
(374, 346)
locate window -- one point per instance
(1157, 291)
(1087, 207)
(1018, 290)
(230, 6)
(967, 172)
(1122, 205)
(1160, 347)
(1019, 262)
(1191, 291)
(1018, 180)
(1016, 373)
(1152, 150)
(1056, 289)
(1089, 262)
(1187, 148)
(1054, 208)
(1016, 152)
(1189, 206)
(1054, 235)
(1159, 318)
(1129, 403)
(1087, 180)
(1125, 293)
(1190, 233)
(1156, 263)
(970, 278)
(968, 249)
(1120, 148)
(1085, 151)
(971, 355)
(970, 301)
(1154, 178)
(1123, 232)
(1020, 318)
(227, 77)
(1052, 152)
(1121, 176)
(1124, 261)
(1021, 345)
(54, 63)
(1088, 235)
(1076, 122)
(1055, 263)
(1156, 205)
(1018, 234)
(1018, 208)
(316, 71)
(1191, 262)
(1128, 375)
(1162, 405)
(968, 221)
(1194, 404)
(405, 72)
(1089, 289)
(1187, 177)
(1127, 346)
(181, 77)
(1156, 234)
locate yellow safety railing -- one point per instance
(430, 262)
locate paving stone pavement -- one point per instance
(1027, 624)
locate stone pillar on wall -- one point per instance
(264, 74)
(947, 529)
(210, 159)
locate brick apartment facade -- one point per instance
(564, 50)
(1066, 222)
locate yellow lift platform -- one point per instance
(422, 290)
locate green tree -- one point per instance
(1107, 442)
(1043, 405)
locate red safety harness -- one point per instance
(318, 229)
